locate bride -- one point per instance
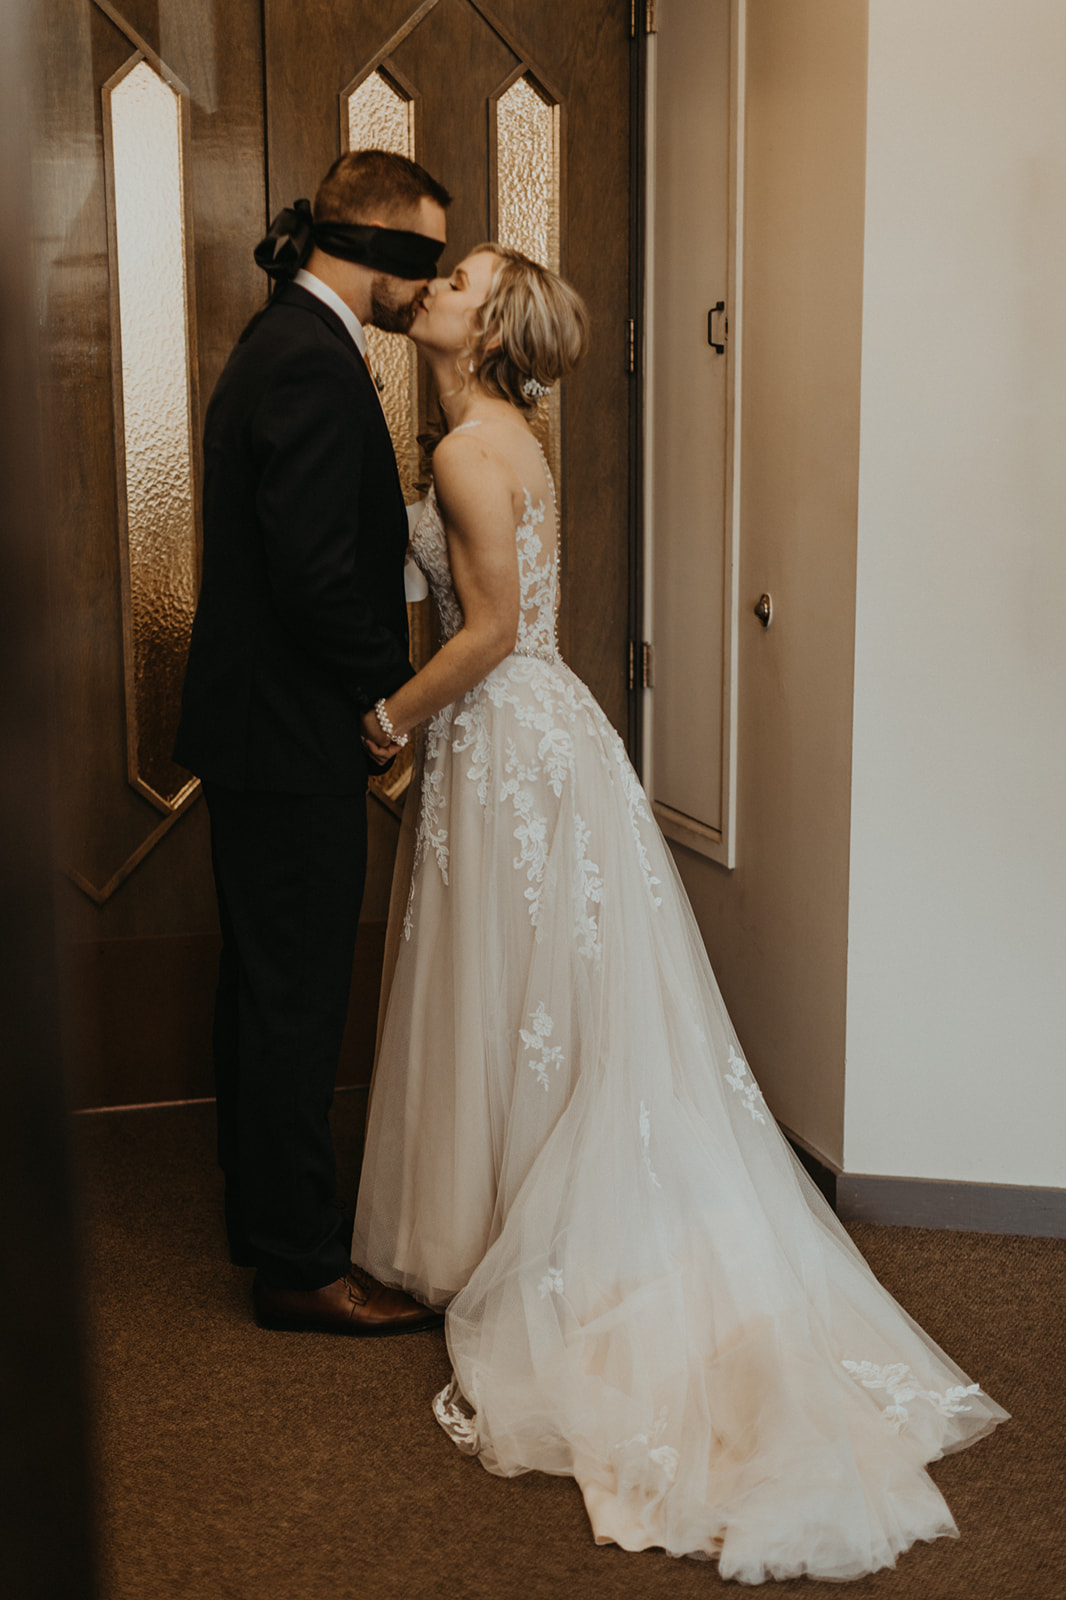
(565, 1145)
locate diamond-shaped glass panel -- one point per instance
(154, 402)
(527, 144)
(380, 117)
(527, 201)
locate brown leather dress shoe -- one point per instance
(356, 1304)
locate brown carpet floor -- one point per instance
(240, 1465)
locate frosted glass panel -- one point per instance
(381, 118)
(149, 238)
(527, 191)
(527, 143)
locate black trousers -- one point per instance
(289, 874)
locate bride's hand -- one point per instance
(375, 743)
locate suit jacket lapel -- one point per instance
(294, 295)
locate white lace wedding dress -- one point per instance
(567, 1149)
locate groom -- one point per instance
(300, 627)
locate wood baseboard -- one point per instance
(139, 1011)
(823, 1176)
(941, 1203)
(936, 1202)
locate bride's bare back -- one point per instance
(493, 456)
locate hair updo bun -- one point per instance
(530, 331)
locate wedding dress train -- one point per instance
(567, 1148)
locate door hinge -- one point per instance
(649, 17)
(631, 345)
(640, 664)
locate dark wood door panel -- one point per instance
(85, 578)
(134, 882)
(263, 84)
(454, 109)
(103, 822)
(454, 56)
(311, 53)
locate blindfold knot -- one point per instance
(294, 234)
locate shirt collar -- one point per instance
(329, 297)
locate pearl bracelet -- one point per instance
(386, 725)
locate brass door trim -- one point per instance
(100, 897)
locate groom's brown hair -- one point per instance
(365, 184)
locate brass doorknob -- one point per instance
(764, 610)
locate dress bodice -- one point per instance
(538, 573)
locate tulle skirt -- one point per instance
(568, 1150)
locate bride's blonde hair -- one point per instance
(532, 326)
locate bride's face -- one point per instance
(445, 317)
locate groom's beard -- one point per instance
(394, 303)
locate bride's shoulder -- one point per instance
(466, 456)
(476, 486)
(460, 445)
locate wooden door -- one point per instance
(167, 136)
(462, 70)
(149, 190)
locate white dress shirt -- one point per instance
(330, 297)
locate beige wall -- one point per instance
(957, 984)
(776, 927)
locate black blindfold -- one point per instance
(294, 233)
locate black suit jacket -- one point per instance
(301, 622)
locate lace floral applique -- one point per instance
(536, 625)
(532, 829)
(547, 702)
(641, 1448)
(557, 703)
(556, 751)
(542, 1054)
(538, 584)
(459, 1424)
(431, 833)
(588, 892)
(645, 1144)
(665, 1458)
(638, 811)
(901, 1386)
(475, 739)
(429, 545)
(431, 837)
(551, 1283)
(740, 1079)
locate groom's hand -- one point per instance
(380, 757)
(379, 751)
